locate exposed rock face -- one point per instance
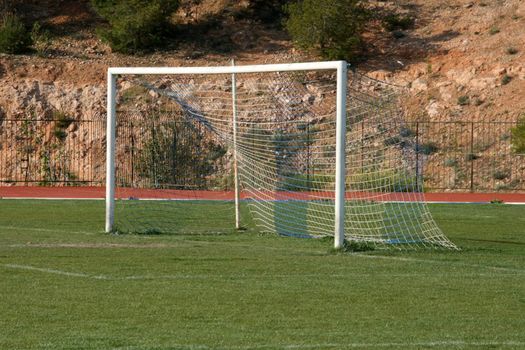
(461, 76)
(434, 108)
(480, 84)
(32, 96)
(419, 85)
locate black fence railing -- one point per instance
(469, 156)
(455, 156)
(52, 152)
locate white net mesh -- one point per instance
(175, 141)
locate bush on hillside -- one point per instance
(518, 137)
(267, 11)
(14, 36)
(331, 27)
(135, 26)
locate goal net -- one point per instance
(306, 150)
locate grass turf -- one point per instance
(66, 285)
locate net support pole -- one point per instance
(340, 155)
(235, 161)
(110, 151)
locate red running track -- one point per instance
(99, 193)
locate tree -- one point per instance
(135, 25)
(331, 27)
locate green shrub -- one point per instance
(427, 148)
(383, 180)
(450, 162)
(506, 79)
(331, 27)
(463, 100)
(135, 26)
(471, 156)
(392, 141)
(41, 38)
(518, 137)
(398, 34)
(59, 133)
(512, 50)
(14, 36)
(500, 174)
(395, 21)
(493, 30)
(406, 132)
(62, 119)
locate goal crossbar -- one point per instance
(261, 68)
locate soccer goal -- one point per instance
(301, 149)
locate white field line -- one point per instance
(430, 261)
(405, 259)
(116, 245)
(214, 276)
(164, 246)
(38, 229)
(441, 262)
(55, 272)
(430, 344)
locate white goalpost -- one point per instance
(289, 136)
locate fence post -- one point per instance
(132, 153)
(472, 157)
(308, 155)
(417, 156)
(362, 146)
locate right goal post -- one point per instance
(306, 163)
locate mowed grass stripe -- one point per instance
(242, 276)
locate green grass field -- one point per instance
(66, 285)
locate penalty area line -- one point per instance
(55, 272)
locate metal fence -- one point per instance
(455, 156)
(469, 156)
(59, 152)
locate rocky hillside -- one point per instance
(463, 60)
